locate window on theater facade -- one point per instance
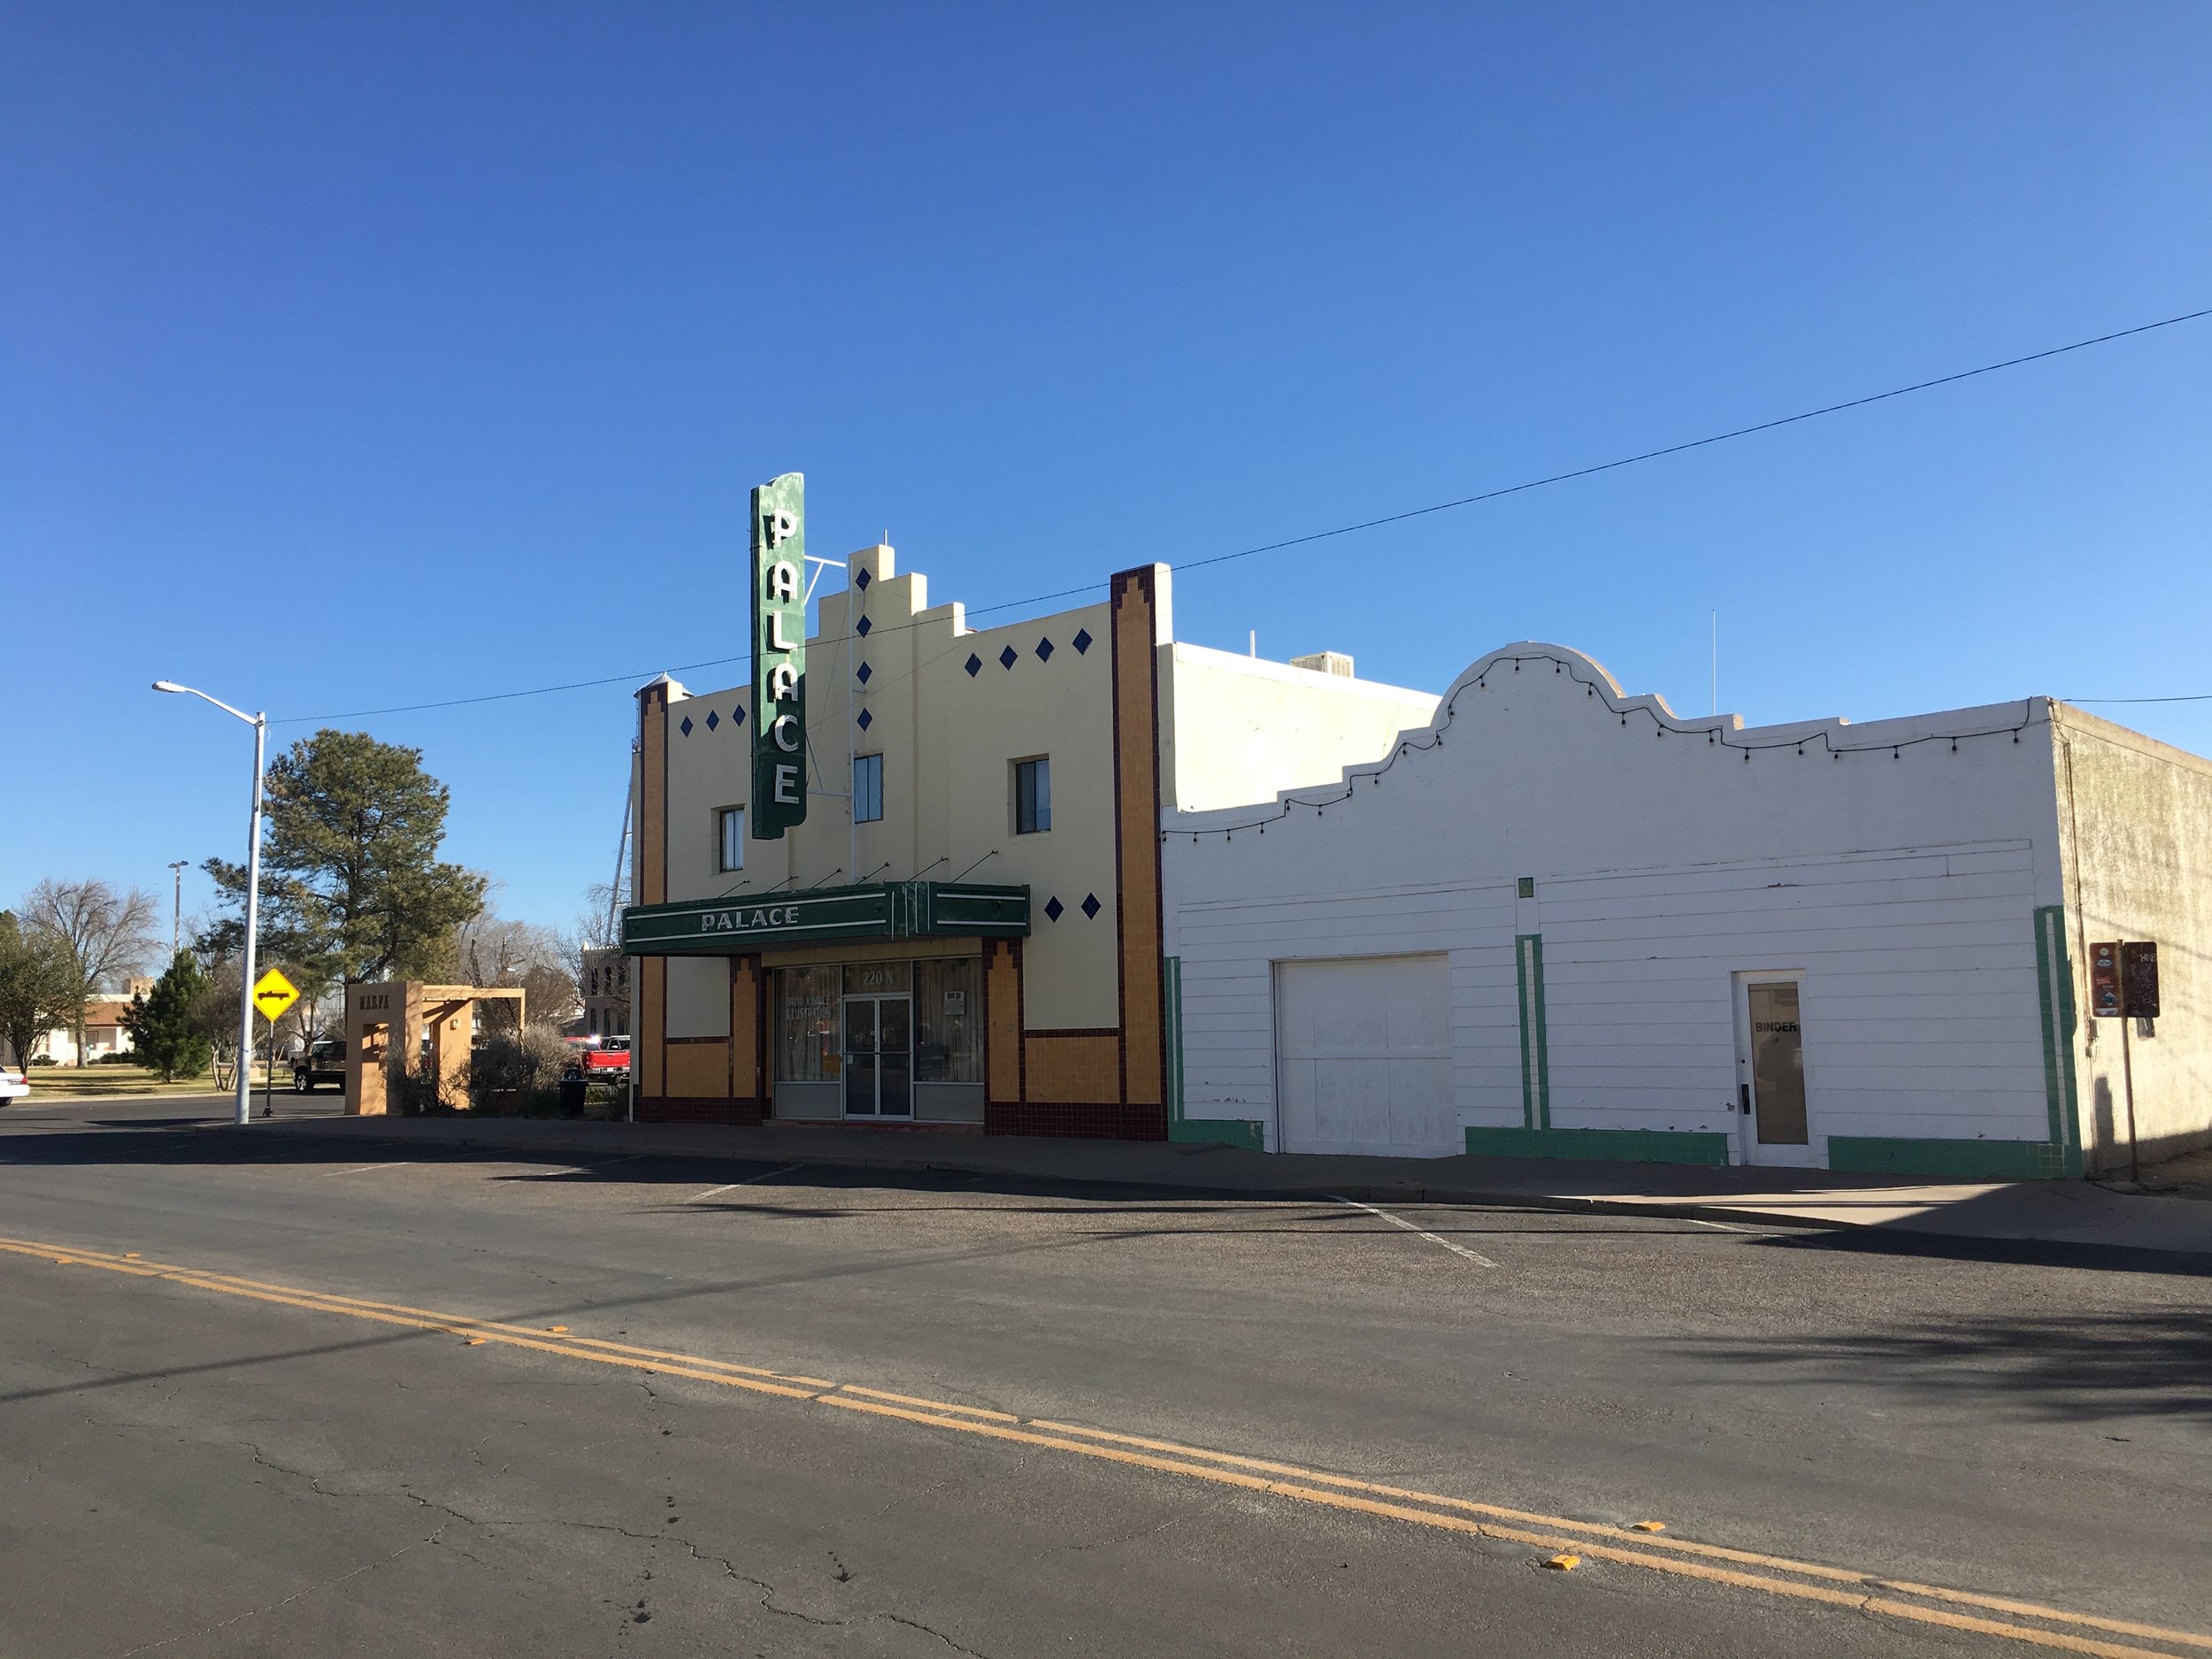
(948, 1020)
(867, 788)
(1033, 797)
(806, 1025)
(730, 826)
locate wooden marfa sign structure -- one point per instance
(393, 1021)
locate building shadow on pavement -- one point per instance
(2142, 1363)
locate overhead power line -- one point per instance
(1364, 523)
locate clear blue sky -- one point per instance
(353, 354)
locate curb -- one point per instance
(1380, 1193)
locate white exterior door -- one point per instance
(1777, 1123)
(1363, 1057)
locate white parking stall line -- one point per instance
(1418, 1232)
(748, 1181)
(365, 1168)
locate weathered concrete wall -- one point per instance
(2135, 820)
(1241, 728)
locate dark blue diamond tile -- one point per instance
(1091, 906)
(1082, 641)
(685, 727)
(864, 673)
(975, 664)
(1044, 650)
(865, 721)
(862, 626)
(713, 719)
(862, 580)
(737, 715)
(1007, 657)
(1054, 909)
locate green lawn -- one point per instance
(66, 1082)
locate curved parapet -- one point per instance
(1493, 679)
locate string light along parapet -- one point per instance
(1596, 684)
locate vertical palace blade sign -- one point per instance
(779, 656)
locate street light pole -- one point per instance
(176, 913)
(260, 724)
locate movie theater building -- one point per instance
(1559, 920)
(964, 934)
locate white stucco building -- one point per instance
(1555, 919)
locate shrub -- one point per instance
(525, 1066)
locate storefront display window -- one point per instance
(948, 1020)
(806, 1025)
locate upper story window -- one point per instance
(1033, 797)
(867, 788)
(729, 825)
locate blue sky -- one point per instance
(355, 354)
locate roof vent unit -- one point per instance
(1325, 663)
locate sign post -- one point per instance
(2123, 986)
(272, 994)
(778, 794)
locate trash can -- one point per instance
(572, 1097)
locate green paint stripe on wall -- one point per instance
(1963, 1160)
(1528, 974)
(2054, 995)
(1632, 1145)
(1172, 1000)
(1227, 1131)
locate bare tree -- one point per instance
(34, 983)
(491, 950)
(104, 936)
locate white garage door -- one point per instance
(1363, 1057)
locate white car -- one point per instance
(14, 1083)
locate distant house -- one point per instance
(104, 1032)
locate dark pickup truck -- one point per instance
(324, 1063)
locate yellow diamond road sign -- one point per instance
(272, 994)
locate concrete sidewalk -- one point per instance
(2048, 1212)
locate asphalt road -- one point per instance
(265, 1396)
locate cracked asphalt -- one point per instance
(192, 1473)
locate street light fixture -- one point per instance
(260, 724)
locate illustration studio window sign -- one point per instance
(779, 656)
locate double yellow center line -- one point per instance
(1775, 1575)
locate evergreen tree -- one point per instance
(353, 887)
(164, 1026)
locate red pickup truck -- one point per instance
(601, 1059)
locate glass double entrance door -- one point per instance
(879, 1057)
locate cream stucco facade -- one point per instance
(1130, 724)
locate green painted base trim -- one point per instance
(1629, 1146)
(1967, 1160)
(1228, 1131)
